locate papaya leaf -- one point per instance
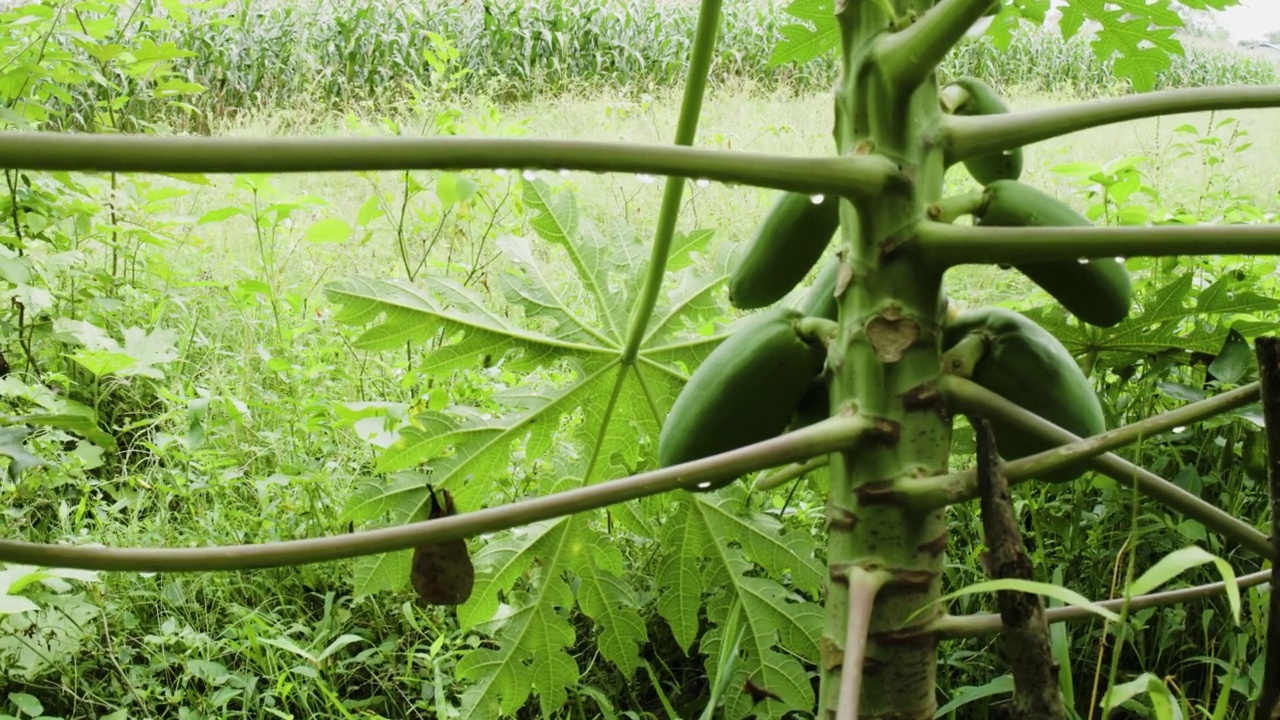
(1139, 33)
(535, 633)
(773, 617)
(781, 624)
(803, 42)
(569, 288)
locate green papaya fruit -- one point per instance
(1097, 292)
(786, 246)
(821, 300)
(971, 96)
(745, 391)
(1027, 365)
(814, 407)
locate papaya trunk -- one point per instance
(886, 362)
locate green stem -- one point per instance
(906, 58)
(765, 483)
(686, 129)
(863, 586)
(967, 137)
(820, 438)
(970, 398)
(818, 329)
(951, 245)
(951, 207)
(964, 356)
(864, 176)
(970, 626)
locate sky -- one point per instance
(1251, 19)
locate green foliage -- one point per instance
(193, 66)
(1141, 50)
(180, 322)
(575, 393)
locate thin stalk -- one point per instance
(863, 586)
(968, 397)
(962, 486)
(907, 57)
(951, 207)
(863, 176)
(951, 245)
(967, 137)
(827, 436)
(686, 129)
(971, 626)
(765, 483)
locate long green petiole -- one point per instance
(968, 397)
(686, 129)
(954, 626)
(863, 586)
(951, 245)
(765, 483)
(824, 437)
(907, 57)
(851, 176)
(968, 137)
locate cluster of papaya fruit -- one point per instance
(767, 377)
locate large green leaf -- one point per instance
(781, 625)
(1138, 33)
(570, 291)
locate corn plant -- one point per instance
(633, 374)
(221, 58)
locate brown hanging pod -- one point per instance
(442, 573)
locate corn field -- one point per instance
(253, 55)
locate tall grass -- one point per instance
(256, 55)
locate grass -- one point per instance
(781, 122)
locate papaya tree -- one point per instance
(865, 375)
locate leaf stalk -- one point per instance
(864, 176)
(952, 245)
(824, 437)
(970, 398)
(971, 626)
(968, 137)
(686, 129)
(907, 57)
